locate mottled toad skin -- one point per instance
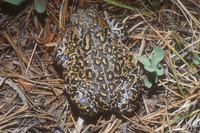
(97, 67)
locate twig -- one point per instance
(14, 87)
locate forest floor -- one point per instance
(32, 96)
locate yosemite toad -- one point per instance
(97, 68)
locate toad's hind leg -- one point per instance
(128, 96)
(82, 99)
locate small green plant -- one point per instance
(40, 5)
(152, 67)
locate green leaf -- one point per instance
(147, 83)
(158, 52)
(160, 71)
(155, 61)
(15, 2)
(150, 68)
(196, 61)
(144, 61)
(159, 55)
(40, 6)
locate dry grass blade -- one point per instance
(150, 116)
(143, 128)
(18, 51)
(189, 14)
(12, 116)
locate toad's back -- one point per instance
(97, 68)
